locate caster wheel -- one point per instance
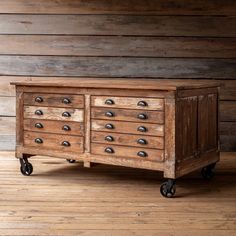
(168, 189)
(71, 161)
(208, 172)
(26, 169)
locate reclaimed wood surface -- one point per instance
(115, 201)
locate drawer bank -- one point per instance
(139, 123)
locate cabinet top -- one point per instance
(118, 83)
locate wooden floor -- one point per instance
(68, 199)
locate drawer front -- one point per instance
(132, 152)
(128, 127)
(128, 115)
(128, 102)
(51, 126)
(128, 140)
(58, 142)
(54, 100)
(67, 114)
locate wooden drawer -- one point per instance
(50, 113)
(133, 152)
(128, 127)
(128, 115)
(54, 100)
(51, 126)
(128, 140)
(128, 102)
(65, 143)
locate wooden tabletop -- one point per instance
(122, 83)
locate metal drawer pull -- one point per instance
(109, 138)
(66, 100)
(109, 114)
(142, 141)
(38, 99)
(109, 102)
(38, 140)
(142, 104)
(38, 125)
(38, 112)
(109, 150)
(66, 114)
(66, 128)
(142, 129)
(65, 144)
(142, 116)
(142, 154)
(109, 126)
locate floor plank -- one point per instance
(67, 199)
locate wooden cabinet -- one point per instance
(140, 123)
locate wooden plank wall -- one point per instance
(111, 38)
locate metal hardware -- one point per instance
(109, 102)
(38, 125)
(109, 114)
(66, 100)
(142, 104)
(66, 114)
(142, 116)
(65, 144)
(38, 112)
(142, 154)
(109, 138)
(142, 141)
(142, 129)
(38, 140)
(109, 150)
(109, 126)
(66, 128)
(38, 99)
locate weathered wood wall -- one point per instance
(112, 38)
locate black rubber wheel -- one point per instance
(168, 189)
(208, 172)
(26, 169)
(71, 161)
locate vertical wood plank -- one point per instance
(170, 135)
(87, 123)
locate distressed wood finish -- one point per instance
(54, 142)
(130, 127)
(56, 100)
(128, 140)
(128, 103)
(53, 113)
(180, 130)
(127, 115)
(52, 126)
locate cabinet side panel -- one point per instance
(186, 127)
(207, 122)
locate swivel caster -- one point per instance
(168, 188)
(26, 168)
(208, 171)
(70, 160)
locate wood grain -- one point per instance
(128, 115)
(118, 46)
(55, 100)
(228, 136)
(52, 113)
(128, 140)
(207, 26)
(128, 127)
(122, 151)
(228, 111)
(117, 67)
(53, 126)
(8, 106)
(54, 141)
(157, 7)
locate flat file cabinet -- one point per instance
(140, 123)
